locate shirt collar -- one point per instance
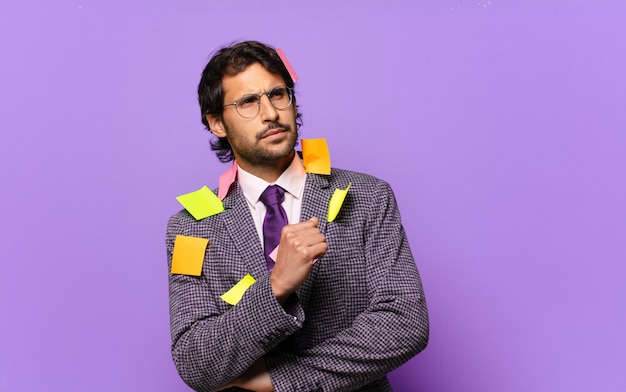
(291, 180)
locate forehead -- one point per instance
(253, 80)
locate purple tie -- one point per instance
(275, 219)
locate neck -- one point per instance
(269, 171)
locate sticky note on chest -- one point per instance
(188, 255)
(336, 201)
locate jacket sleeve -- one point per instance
(392, 329)
(213, 342)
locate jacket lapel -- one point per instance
(315, 200)
(241, 229)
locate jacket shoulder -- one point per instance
(339, 177)
(184, 223)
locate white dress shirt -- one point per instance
(292, 181)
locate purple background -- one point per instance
(500, 125)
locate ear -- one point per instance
(216, 124)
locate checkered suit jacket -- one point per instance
(360, 313)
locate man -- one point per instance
(339, 304)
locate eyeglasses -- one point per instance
(249, 105)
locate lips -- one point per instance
(272, 132)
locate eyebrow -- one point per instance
(257, 94)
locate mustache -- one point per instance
(271, 127)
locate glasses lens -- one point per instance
(280, 97)
(248, 106)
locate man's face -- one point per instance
(266, 139)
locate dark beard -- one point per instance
(268, 158)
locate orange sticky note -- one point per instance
(188, 255)
(234, 295)
(226, 179)
(315, 156)
(336, 201)
(290, 69)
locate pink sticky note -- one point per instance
(282, 56)
(275, 253)
(226, 180)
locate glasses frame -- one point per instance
(267, 94)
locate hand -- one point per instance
(256, 378)
(300, 245)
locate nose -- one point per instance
(268, 111)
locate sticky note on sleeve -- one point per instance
(315, 156)
(201, 203)
(234, 295)
(336, 201)
(188, 255)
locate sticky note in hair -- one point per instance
(282, 56)
(188, 255)
(201, 203)
(315, 156)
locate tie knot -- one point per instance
(272, 195)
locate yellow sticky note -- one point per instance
(234, 295)
(336, 202)
(315, 156)
(201, 203)
(188, 255)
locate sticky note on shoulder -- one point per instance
(226, 180)
(234, 295)
(201, 203)
(315, 156)
(188, 255)
(336, 201)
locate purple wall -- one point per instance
(500, 124)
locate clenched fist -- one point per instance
(300, 245)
